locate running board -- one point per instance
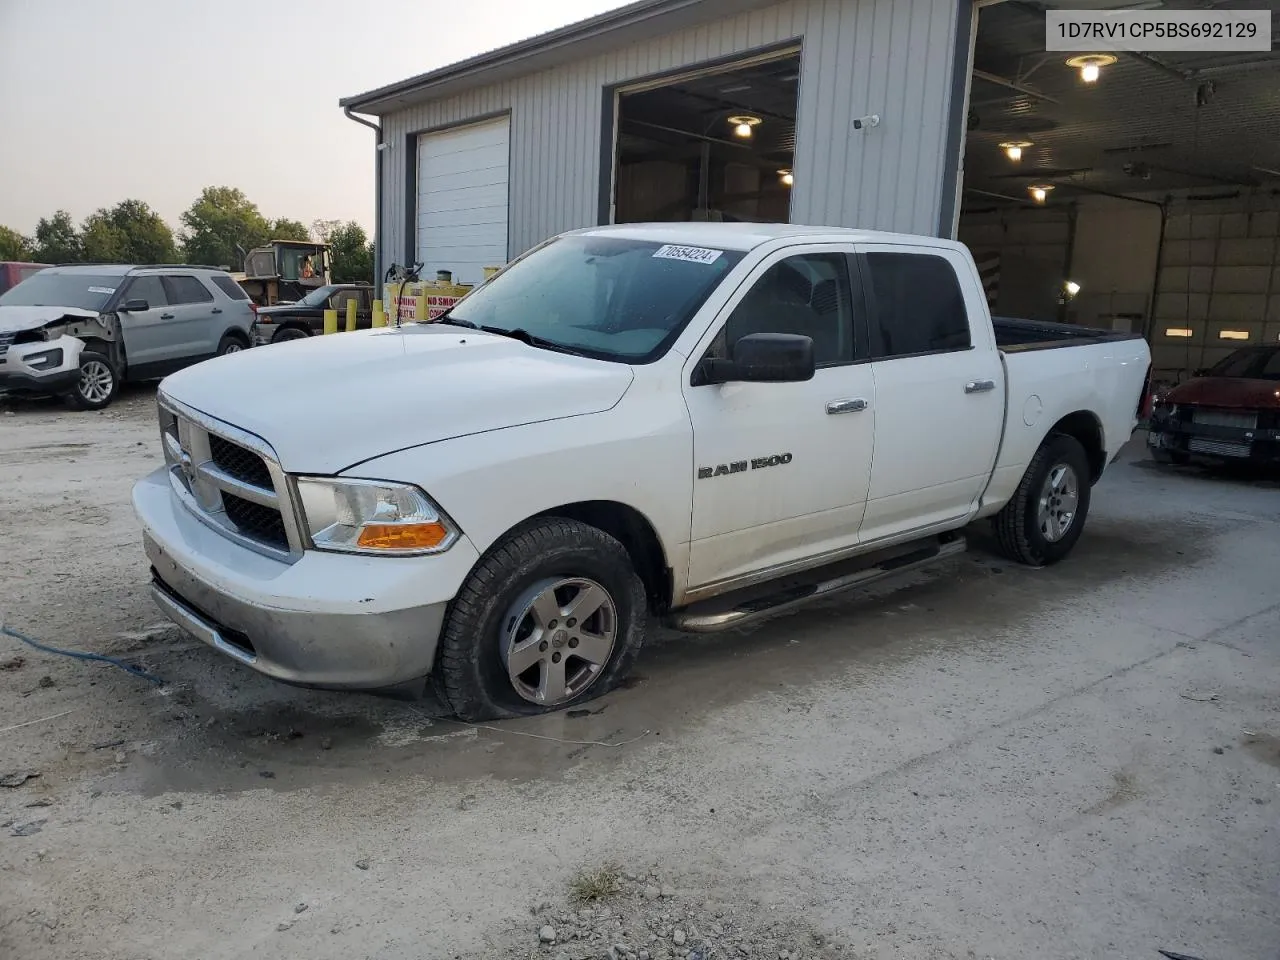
(746, 606)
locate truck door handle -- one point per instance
(979, 386)
(850, 405)
(166, 316)
(217, 309)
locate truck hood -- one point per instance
(328, 403)
(17, 319)
(1236, 392)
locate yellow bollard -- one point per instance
(351, 315)
(331, 321)
(379, 318)
(420, 308)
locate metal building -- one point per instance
(606, 121)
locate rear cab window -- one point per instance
(917, 305)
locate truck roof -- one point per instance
(747, 236)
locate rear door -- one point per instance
(149, 343)
(939, 388)
(196, 327)
(781, 469)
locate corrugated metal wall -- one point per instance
(890, 57)
(1219, 285)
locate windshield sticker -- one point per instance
(107, 290)
(690, 254)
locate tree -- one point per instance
(286, 229)
(221, 226)
(323, 229)
(351, 254)
(129, 232)
(56, 240)
(13, 245)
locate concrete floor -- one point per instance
(982, 761)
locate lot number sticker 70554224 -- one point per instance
(692, 254)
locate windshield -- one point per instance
(317, 297)
(46, 289)
(605, 297)
(1252, 363)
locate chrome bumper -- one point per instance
(335, 651)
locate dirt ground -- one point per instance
(981, 761)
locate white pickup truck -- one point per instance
(705, 423)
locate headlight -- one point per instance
(44, 360)
(373, 516)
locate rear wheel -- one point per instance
(230, 343)
(1046, 515)
(98, 383)
(554, 614)
(289, 333)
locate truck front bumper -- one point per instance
(327, 620)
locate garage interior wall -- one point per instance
(1219, 267)
(889, 57)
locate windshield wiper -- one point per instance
(524, 336)
(456, 321)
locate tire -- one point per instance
(98, 384)
(1030, 529)
(544, 565)
(289, 333)
(1176, 457)
(230, 343)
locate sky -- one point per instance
(107, 100)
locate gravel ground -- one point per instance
(979, 761)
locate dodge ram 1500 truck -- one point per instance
(706, 423)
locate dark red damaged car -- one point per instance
(1230, 414)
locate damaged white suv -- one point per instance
(79, 331)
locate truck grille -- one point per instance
(230, 480)
(6, 340)
(240, 463)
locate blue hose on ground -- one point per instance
(80, 655)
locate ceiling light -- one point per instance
(1040, 191)
(1233, 334)
(1090, 65)
(743, 124)
(1072, 288)
(1184, 332)
(787, 177)
(1013, 149)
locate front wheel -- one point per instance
(1045, 517)
(553, 614)
(98, 383)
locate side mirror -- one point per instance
(764, 358)
(137, 305)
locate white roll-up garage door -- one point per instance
(462, 199)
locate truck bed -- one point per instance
(1017, 336)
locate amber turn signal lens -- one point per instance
(403, 536)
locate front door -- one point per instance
(781, 469)
(939, 389)
(149, 343)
